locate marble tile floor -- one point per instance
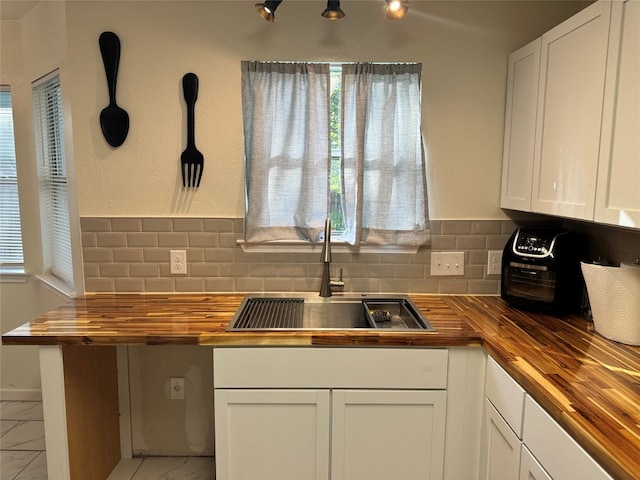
(23, 455)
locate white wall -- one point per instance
(463, 47)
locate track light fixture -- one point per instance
(267, 9)
(396, 9)
(333, 10)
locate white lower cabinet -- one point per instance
(285, 434)
(503, 447)
(319, 414)
(272, 434)
(553, 447)
(387, 434)
(530, 469)
(530, 445)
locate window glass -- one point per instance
(11, 256)
(336, 212)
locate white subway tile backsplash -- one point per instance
(126, 224)
(142, 239)
(132, 255)
(111, 239)
(187, 225)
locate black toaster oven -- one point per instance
(541, 270)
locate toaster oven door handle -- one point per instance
(540, 268)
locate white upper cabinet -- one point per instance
(572, 120)
(573, 62)
(519, 128)
(618, 190)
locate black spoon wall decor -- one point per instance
(114, 120)
(191, 160)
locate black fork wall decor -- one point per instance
(191, 160)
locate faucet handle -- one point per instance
(337, 285)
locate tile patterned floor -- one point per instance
(23, 456)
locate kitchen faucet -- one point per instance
(327, 284)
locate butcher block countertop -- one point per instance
(589, 385)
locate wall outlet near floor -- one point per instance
(178, 259)
(176, 385)
(494, 262)
(447, 263)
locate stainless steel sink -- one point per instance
(276, 313)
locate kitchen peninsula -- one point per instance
(589, 385)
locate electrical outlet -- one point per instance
(178, 262)
(176, 385)
(447, 263)
(494, 262)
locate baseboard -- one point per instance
(24, 395)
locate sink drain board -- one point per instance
(266, 313)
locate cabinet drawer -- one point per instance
(506, 395)
(330, 368)
(554, 448)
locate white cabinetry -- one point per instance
(558, 453)
(573, 61)
(530, 469)
(523, 441)
(576, 153)
(387, 434)
(503, 447)
(339, 413)
(618, 190)
(504, 405)
(519, 128)
(267, 434)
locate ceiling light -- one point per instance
(267, 10)
(396, 9)
(333, 10)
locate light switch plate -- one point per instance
(447, 263)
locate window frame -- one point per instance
(340, 245)
(73, 283)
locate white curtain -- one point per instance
(385, 193)
(287, 149)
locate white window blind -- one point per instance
(11, 257)
(54, 210)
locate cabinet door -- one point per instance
(618, 192)
(503, 447)
(272, 434)
(555, 449)
(569, 119)
(388, 435)
(520, 126)
(530, 469)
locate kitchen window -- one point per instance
(50, 154)
(11, 254)
(341, 140)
